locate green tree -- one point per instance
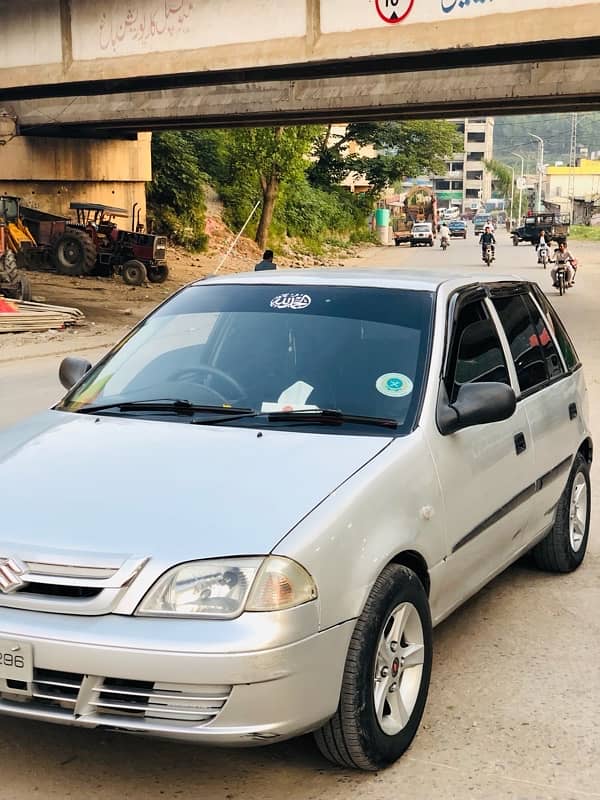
(402, 150)
(268, 158)
(175, 195)
(503, 176)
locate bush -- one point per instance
(310, 213)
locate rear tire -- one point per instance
(73, 253)
(134, 273)
(160, 274)
(563, 549)
(21, 290)
(386, 677)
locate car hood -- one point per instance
(164, 489)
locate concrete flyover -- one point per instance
(77, 67)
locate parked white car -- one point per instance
(251, 513)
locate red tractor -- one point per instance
(136, 256)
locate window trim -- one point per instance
(457, 301)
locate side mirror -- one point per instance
(476, 404)
(72, 370)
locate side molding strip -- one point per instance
(516, 501)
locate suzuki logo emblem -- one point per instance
(10, 575)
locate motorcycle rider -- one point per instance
(543, 244)
(444, 234)
(487, 240)
(562, 257)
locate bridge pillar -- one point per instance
(50, 173)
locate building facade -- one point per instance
(467, 183)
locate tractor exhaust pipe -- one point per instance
(135, 205)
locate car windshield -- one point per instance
(267, 348)
(422, 228)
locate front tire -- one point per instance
(386, 676)
(134, 273)
(563, 549)
(157, 274)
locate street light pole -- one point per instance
(518, 155)
(540, 169)
(512, 197)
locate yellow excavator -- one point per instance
(45, 241)
(14, 238)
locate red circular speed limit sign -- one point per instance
(394, 11)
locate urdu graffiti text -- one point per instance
(140, 25)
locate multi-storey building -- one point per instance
(467, 183)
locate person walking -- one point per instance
(266, 263)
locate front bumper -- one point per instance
(125, 674)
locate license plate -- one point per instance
(16, 661)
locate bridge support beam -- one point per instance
(529, 87)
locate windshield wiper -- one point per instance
(167, 406)
(310, 416)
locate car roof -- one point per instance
(380, 278)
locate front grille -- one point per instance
(83, 583)
(100, 700)
(54, 590)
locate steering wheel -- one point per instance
(190, 375)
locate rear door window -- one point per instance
(562, 337)
(535, 357)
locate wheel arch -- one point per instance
(586, 448)
(414, 561)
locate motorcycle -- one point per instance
(444, 243)
(561, 278)
(544, 255)
(488, 255)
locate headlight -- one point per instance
(224, 588)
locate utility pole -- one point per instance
(512, 197)
(518, 155)
(572, 165)
(540, 169)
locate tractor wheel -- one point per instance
(8, 268)
(134, 273)
(74, 253)
(158, 274)
(12, 284)
(21, 290)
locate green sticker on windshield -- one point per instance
(394, 384)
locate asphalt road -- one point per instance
(515, 693)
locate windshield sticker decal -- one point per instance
(394, 384)
(293, 300)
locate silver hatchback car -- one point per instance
(254, 509)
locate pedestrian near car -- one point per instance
(266, 263)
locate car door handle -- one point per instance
(573, 411)
(520, 443)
